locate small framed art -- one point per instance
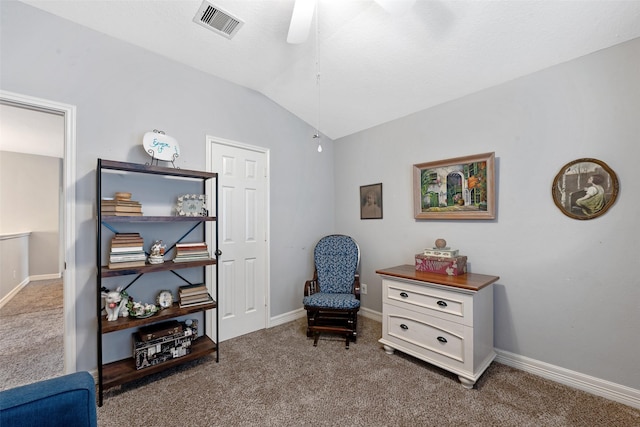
(192, 205)
(585, 188)
(371, 201)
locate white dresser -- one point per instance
(443, 320)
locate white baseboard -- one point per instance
(12, 293)
(370, 314)
(297, 314)
(612, 391)
(286, 317)
(45, 277)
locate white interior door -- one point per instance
(242, 228)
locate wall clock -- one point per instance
(164, 299)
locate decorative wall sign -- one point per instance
(458, 188)
(585, 188)
(160, 146)
(371, 201)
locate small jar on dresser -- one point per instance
(444, 320)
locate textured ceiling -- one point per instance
(374, 66)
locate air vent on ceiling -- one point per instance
(217, 20)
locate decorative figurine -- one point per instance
(114, 302)
(157, 252)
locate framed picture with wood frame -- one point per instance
(371, 201)
(585, 188)
(458, 188)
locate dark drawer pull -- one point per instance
(403, 326)
(404, 295)
(442, 340)
(442, 303)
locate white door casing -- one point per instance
(242, 235)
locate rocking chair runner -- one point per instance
(332, 297)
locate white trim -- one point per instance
(209, 151)
(12, 293)
(281, 319)
(371, 314)
(69, 238)
(9, 236)
(50, 276)
(612, 391)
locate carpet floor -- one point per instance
(31, 334)
(276, 377)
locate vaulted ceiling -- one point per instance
(374, 66)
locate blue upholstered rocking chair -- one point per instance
(332, 297)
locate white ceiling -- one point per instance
(374, 67)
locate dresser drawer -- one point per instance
(430, 338)
(448, 305)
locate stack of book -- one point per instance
(186, 252)
(127, 251)
(192, 295)
(121, 205)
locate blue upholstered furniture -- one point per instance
(69, 400)
(332, 297)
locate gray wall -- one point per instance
(121, 92)
(568, 293)
(30, 187)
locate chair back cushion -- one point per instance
(336, 259)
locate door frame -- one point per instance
(68, 212)
(210, 142)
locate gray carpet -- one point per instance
(277, 378)
(31, 334)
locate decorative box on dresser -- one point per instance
(444, 320)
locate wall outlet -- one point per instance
(363, 288)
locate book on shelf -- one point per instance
(194, 299)
(121, 209)
(191, 259)
(187, 245)
(130, 257)
(120, 202)
(121, 213)
(126, 249)
(127, 264)
(207, 300)
(127, 243)
(194, 289)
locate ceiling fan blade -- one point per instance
(301, 21)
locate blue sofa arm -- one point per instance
(69, 400)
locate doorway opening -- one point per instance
(67, 211)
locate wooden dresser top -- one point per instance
(470, 281)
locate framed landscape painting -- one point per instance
(458, 188)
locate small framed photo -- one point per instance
(459, 188)
(585, 188)
(192, 205)
(371, 201)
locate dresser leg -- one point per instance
(388, 350)
(466, 383)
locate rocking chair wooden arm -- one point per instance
(310, 287)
